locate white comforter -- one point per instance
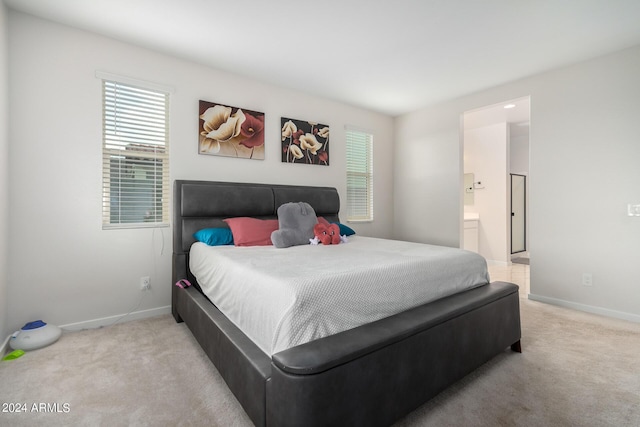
(284, 297)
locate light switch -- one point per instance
(633, 210)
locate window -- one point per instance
(135, 156)
(359, 175)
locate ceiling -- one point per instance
(388, 56)
(515, 111)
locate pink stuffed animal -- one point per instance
(327, 234)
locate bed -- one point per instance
(368, 375)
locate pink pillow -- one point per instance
(252, 231)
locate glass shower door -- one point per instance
(518, 213)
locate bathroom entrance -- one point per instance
(496, 161)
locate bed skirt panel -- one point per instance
(242, 365)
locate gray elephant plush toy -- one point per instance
(296, 222)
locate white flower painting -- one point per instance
(230, 131)
(304, 142)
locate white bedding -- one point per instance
(284, 297)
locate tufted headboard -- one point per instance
(204, 204)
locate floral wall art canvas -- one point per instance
(304, 142)
(230, 131)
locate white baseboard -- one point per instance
(5, 349)
(587, 308)
(108, 321)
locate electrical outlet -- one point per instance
(587, 279)
(633, 210)
(145, 283)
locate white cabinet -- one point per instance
(471, 232)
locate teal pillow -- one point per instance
(214, 236)
(344, 230)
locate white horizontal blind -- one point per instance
(135, 156)
(359, 176)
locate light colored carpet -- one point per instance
(576, 369)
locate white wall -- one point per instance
(518, 152)
(4, 172)
(63, 267)
(485, 155)
(428, 177)
(583, 172)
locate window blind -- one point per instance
(359, 147)
(135, 156)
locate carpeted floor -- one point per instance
(576, 369)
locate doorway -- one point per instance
(496, 151)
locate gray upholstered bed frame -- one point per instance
(368, 376)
